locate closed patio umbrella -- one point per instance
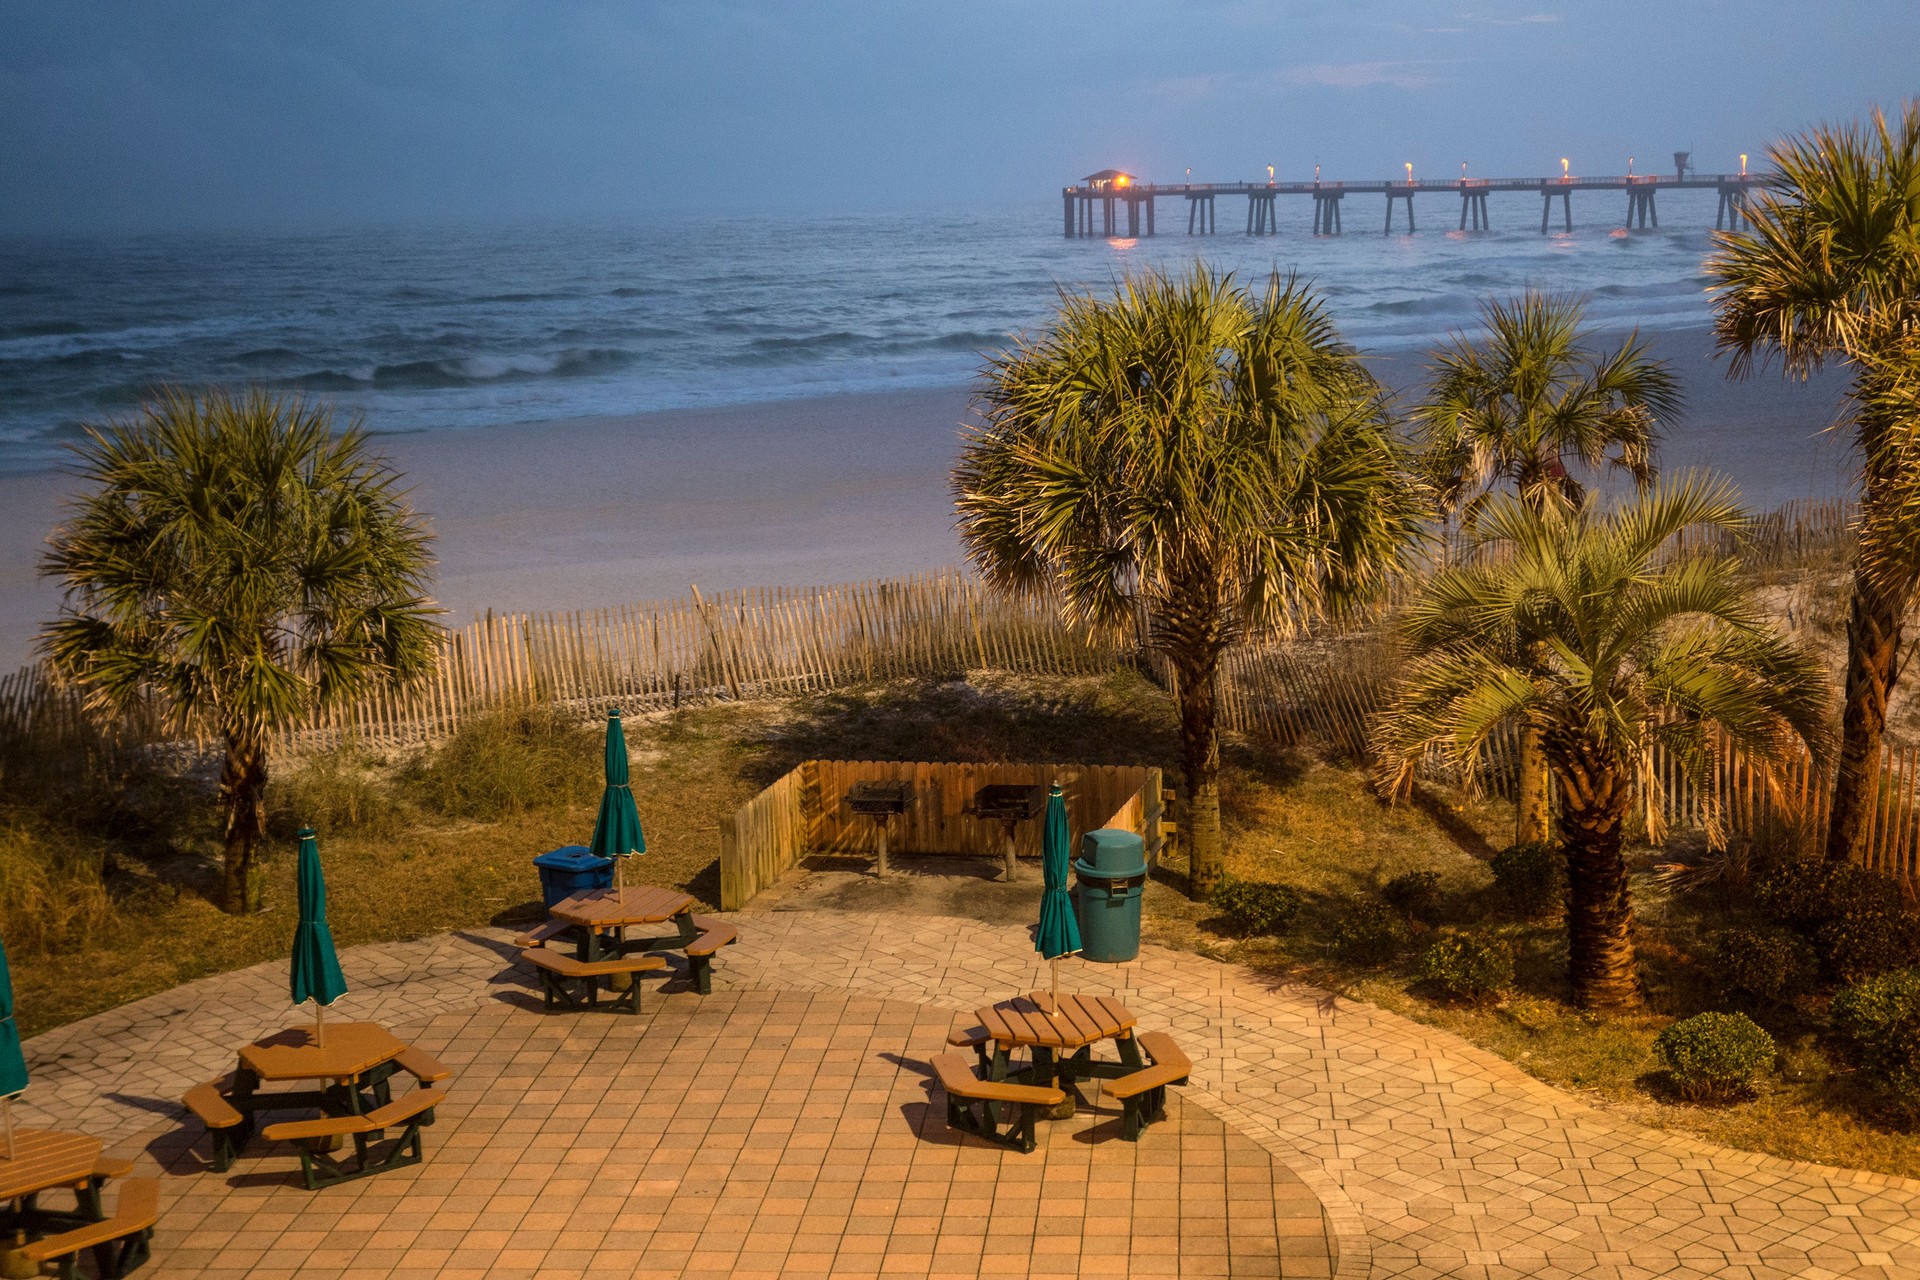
(13, 1062)
(1059, 933)
(616, 833)
(316, 969)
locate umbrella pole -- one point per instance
(7, 1106)
(1054, 964)
(319, 1025)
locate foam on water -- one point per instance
(431, 328)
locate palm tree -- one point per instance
(1515, 409)
(239, 565)
(1190, 456)
(1829, 270)
(1591, 634)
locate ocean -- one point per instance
(441, 328)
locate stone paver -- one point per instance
(1429, 1158)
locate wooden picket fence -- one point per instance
(804, 813)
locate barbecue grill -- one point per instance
(880, 801)
(1010, 803)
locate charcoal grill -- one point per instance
(1010, 804)
(879, 801)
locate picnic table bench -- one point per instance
(964, 1089)
(1059, 1036)
(47, 1160)
(598, 923)
(355, 1066)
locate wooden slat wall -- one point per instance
(805, 812)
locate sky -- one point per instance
(133, 115)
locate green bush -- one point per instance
(1253, 906)
(1415, 894)
(1765, 964)
(1469, 968)
(1532, 878)
(1867, 1015)
(1715, 1055)
(1370, 933)
(510, 762)
(1878, 1024)
(1858, 920)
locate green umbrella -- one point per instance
(316, 969)
(1059, 933)
(616, 833)
(13, 1062)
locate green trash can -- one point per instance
(1110, 877)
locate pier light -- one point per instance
(1409, 173)
(1629, 166)
(1463, 171)
(1269, 175)
(1564, 174)
(1743, 164)
(1316, 173)
(1120, 181)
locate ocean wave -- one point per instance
(44, 329)
(466, 371)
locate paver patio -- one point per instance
(712, 1137)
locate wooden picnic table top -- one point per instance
(613, 908)
(350, 1049)
(44, 1158)
(1078, 1021)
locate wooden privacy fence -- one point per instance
(805, 813)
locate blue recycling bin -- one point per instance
(572, 869)
(1110, 880)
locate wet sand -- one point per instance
(594, 511)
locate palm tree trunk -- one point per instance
(243, 799)
(1594, 800)
(1533, 815)
(1200, 762)
(1873, 654)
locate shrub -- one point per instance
(1867, 1015)
(1415, 894)
(1766, 964)
(1468, 967)
(1370, 933)
(1878, 1023)
(1715, 1055)
(1254, 906)
(1531, 877)
(1858, 921)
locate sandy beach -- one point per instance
(594, 511)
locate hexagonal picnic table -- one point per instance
(1060, 1038)
(605, 915)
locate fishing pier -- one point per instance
(1113, 203)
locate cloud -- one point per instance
(1212, 85)
(1362, 75)
(1503, 20)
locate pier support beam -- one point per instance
(1473, 209)
(1260, 216)
(1732, 207)
(1640, 206)
(1405, 193)
(1546, 205)
(1200, 209)
(1326, 212)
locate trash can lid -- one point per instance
(1112, 852)
(572, 857)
